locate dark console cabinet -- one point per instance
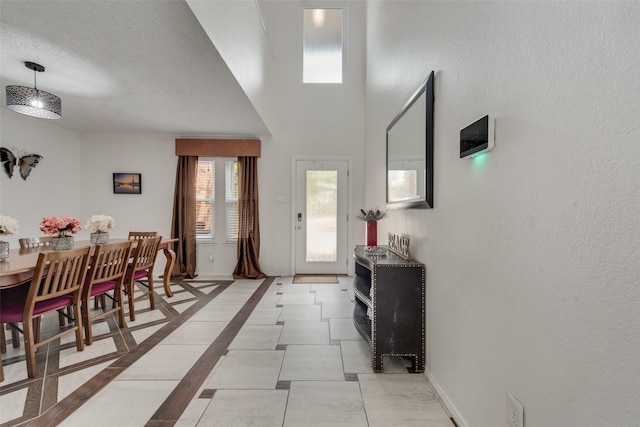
(389, 310)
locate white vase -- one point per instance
(99, 238)
(61, 243)
(4, 251)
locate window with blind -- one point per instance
(205, 198)
(217, 176)
(231, 199)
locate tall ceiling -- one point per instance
(133, 66)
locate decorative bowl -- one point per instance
(375, 250)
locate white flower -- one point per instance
(8, 225)
(100, 223)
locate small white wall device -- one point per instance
(477, 138)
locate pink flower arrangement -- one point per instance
(63, 226)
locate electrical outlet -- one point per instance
(515, 412)
(210, 256)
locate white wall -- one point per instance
(54, 185)
(532, 254)
(153, 156)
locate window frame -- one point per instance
(219, 209)
(210, 236)
(345, 16)
(231, 236)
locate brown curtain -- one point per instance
(183, 223)
(248, 266)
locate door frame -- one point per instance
(294, 203)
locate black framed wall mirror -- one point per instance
(410, 152)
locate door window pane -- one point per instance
(322, 216)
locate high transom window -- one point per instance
(322, 45)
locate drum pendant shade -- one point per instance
(33, 101)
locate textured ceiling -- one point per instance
(125, 67)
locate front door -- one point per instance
(321, 217)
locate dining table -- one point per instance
(18, 268)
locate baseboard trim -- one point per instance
(453, 411)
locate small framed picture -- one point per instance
(127, 183)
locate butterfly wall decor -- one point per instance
(25, 162)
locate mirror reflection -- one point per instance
(410, 152)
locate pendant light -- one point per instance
(33, 101)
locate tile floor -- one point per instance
(223, 353)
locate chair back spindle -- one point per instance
(134, 235)
(146, 253)
(60, 273)
(34, 242)
(109, 262)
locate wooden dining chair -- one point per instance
(144, 259)
(134, 235)
(34, 242)
(57, 282)
(107, 271)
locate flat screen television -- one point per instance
(477, 137)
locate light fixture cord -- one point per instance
(35, 73)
